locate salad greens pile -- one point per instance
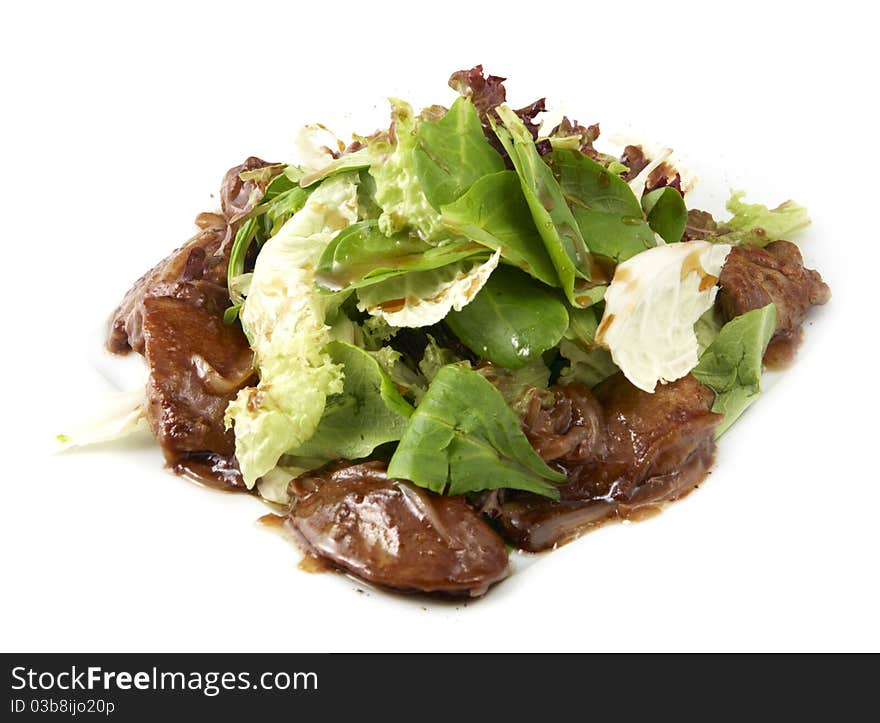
(403, 297)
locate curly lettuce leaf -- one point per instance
(422, 298)
(362, 255)
(464, 438)
(513, 320)
(756, 225)
(283, 317)
(452, 153)
(398, 190)
(493, 212)
(732, 364)
(369, 410)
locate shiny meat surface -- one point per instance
(197, 365)
(633, 450)
(173, 315)
(753, 277)
(196, 271)
(394, 534)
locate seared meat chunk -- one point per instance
(173, 315)
(395, 534)
(195, 272)
(197, 365)
(637, 450)
(753, 277)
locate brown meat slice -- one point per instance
(753, 277)
(641, 449)
(197, 365)
(173, 315)
(395, 534)
(195, 272)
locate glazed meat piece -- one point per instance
(195, 272)
(753, 277)
(640, 450)
(173, 315)
(197, 365)
(394, 534)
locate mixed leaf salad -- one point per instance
(477, 223)
(428, 301)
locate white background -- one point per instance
(117, 125)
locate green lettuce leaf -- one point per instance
(410, 383)
(666, 213)
(494, 213)
(464, 438)
(398, 190)
(757, 225)
(348, 162)
(514, 383)
(434, 358)
(452, 153)
(732, 364)
(368, 412)
(587, 365)
(513, 319)
(266, 220)
(362, 255)
(606, 210)
(553, 218)
(422, 298)
(284, 319)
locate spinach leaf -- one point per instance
(464, 438)
(362, 255)
(604, 206)
(666, 213)
(368, 412)
(494, 213)
(513, 319)
(452, 153)
(733, 362)
(553, 218)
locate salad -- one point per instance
(469, 332)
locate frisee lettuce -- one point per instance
(283, 317)
(398, 191)
(756, 225)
